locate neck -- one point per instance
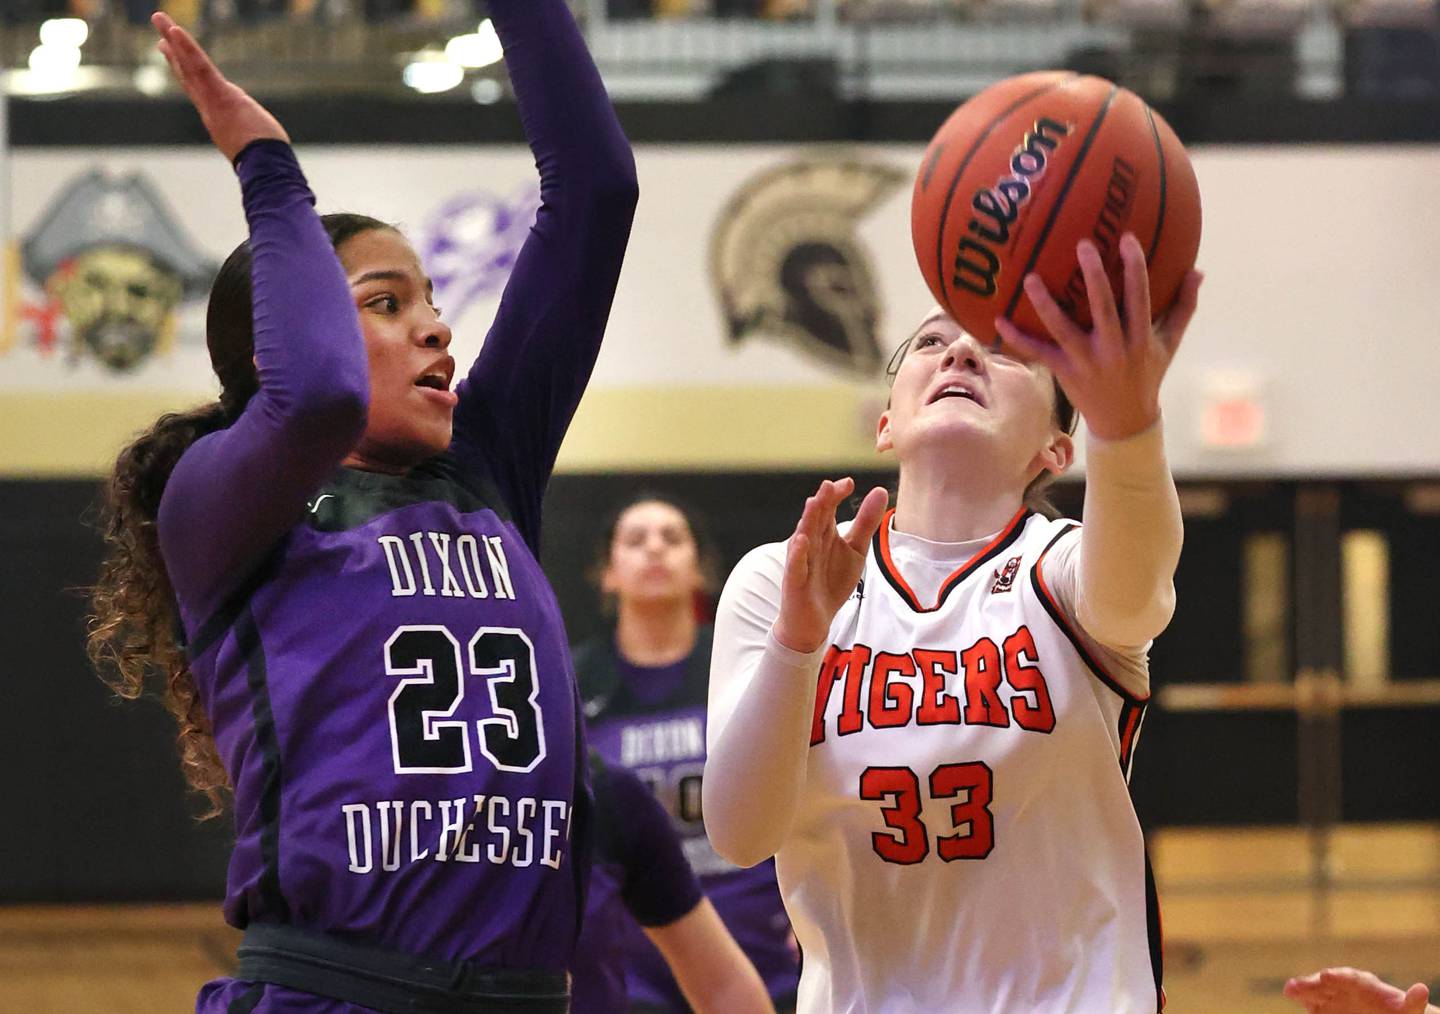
(944, 503)
(656, 633)
(370, 463)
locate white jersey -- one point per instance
(965, 841)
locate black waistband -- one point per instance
(393, 982)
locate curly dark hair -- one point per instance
(133, 631)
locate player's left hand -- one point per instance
(1351, 991)
(231, 116)
(1112, 373)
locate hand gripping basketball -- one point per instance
(822, 566)
(232, 118)
(1111, 373)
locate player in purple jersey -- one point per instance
(640, 876)
(644, 689)
(335, 570)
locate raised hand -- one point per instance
(1351, 991)
(231, 116)
(822, 566)
(1111, 374)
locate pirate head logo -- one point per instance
(114, 265)
(788, 265)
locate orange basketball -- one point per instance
(1024, 170)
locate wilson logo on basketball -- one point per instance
(996, 208)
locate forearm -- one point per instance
(307, 344)
(709, 966)
(567, 115)
(522, 391)
(237, 490)
(755, 771)
(1131, 540)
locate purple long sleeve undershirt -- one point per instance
(236, 492)
(523, 390)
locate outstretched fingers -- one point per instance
(1177, 319)
(1073, 341)
(1137, 291)
(1029, 348)
(191, 64)
(1103, 312)
(867, 519)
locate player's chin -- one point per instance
(431, 436)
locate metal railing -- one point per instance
(864, 48)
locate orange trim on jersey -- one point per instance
(1129, 723)
(897, 581)
(1052, 606)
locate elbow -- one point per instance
(336, 413)
(734, 831)
(615, 185)
(740, 852)
(1128, 623)
(613, 203)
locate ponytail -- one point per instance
(132, 632)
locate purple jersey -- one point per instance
(639, 876)
(382, 661)
(652, 721)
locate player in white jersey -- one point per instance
(927, 715)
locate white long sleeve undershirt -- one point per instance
(1115, 581)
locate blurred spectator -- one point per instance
(14, 12)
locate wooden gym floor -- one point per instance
(1241, 913)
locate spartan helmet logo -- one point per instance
(111, 257)
(788, 265)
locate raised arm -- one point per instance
(235, 492)
(771, 629)
(1125, 564)
(519, 397)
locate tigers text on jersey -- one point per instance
(965, 840)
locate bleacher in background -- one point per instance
(682, 50)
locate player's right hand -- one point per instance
(232, 117)
(822, 566)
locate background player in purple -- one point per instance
(645, 690)
(348, 551)
(640, 876)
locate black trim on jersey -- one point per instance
(879, 546)
(1037, 583)
(1127, 742)
(606, 696)
(247, 1001)
(1156, 937)
(351, 497)
(247, 637)
(230, 608)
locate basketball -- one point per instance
(1020, 173)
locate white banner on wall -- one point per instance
(778, 269)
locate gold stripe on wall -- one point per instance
(78, 434)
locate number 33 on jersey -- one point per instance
(966, 809)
